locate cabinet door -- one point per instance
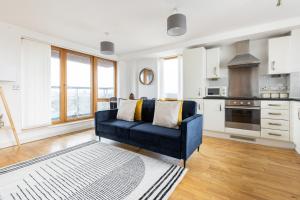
(295, 49)
(10, 53)
(213, 63)
(295, 124)
(194, 72)
(214, 115)
(279, 49)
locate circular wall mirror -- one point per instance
(146, 76)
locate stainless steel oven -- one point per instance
(243, 115)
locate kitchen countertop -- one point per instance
(253, 98)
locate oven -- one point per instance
(242, 116)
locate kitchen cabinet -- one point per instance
(194, 73)
(279, 57)
(295, 49)
(295, 124)
(275, 120)
(10, 53)
(214, 115)
(213, 63)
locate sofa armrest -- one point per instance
(105, 115)
(191, 135)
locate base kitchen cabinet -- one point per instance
(295, 124)
(214, 115)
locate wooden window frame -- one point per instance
(94, 84)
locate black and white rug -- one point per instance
(90, 171)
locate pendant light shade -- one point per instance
(107, 48)
(176, 24)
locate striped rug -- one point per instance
(91, 170)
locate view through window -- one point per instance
(170, 78)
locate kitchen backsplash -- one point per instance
(295, 84)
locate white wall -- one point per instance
(129, 80)
(12, 93)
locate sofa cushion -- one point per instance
(148, 110)
(189, 108)
(116, 128)
(156, 138)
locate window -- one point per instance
(55, 85)
(79, 89)
(106, 71)
(170, 80)
(74, 89)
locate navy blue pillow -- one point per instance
(148, 110)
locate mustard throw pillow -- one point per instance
(138, 110)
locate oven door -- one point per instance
(238, 117)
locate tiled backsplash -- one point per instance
(295, 84)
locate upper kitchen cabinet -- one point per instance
(279, 49)
(213, 63)
(194, 73)
(295, 49)
(10, 53)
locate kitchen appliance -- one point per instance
(243, 117)
(220, 91)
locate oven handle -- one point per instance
(243, 107)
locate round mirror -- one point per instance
(146, 76)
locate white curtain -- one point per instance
(35, 84)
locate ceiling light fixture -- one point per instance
(278, 3)
(107, 47)
(176, 24)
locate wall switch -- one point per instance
(16, 87)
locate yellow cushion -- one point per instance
(180, 109)
(138, 110)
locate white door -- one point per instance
(213, 63)
(194, 72)
(214, 115)
(279, 49)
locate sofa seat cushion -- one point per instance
(156, 138)
(116, 128)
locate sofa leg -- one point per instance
(99, 139)
(184, 163)
(198, 148)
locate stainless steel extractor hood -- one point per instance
(243, 57)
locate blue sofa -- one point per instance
(178, 143)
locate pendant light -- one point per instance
(107, 47)
(176, 24)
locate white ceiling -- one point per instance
(139, 24)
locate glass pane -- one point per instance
(106, 79)
(55, 85)
(171, 78)
(78, 86)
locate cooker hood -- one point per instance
(243, 57)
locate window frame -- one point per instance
(94, 84)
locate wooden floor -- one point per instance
(223, 169)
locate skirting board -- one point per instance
(298, 150)
(261, 141)
(46, 132)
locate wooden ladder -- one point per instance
(11, 122)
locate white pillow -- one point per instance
(126, 110)
(166, 113)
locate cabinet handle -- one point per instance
(274, 113)
(273, 65)
(274, 124)
(274, 134)
(274, 105)
(215, 69)
(199, 93)
(199, 106)
(220, 107)
(299, 113)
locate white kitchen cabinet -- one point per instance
(279, 57)
(199, 105)
(295, 124)
(213, 63)
(214, 115)
(10, 53)
(295, 49)
(194, 73)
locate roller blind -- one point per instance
(35, 84)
